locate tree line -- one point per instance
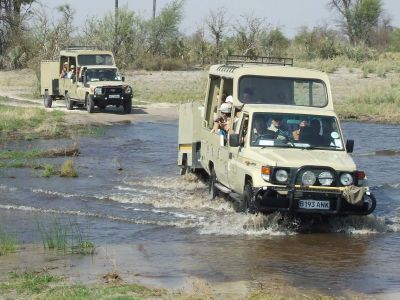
(28, 34)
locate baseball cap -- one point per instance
(229, 99)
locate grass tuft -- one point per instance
(8, 243)
(67, 169)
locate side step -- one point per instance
(222, 188)
(225, 190)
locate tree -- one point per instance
(163, 31)
(13, 13)
(359, 17)
(217, 24)
(274, 43)
(128, 42)
(248, 35)
(49, 35)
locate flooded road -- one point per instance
(160, 228)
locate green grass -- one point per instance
(45, 286)
(39, 285)
(48, 170)
(29, 154)
(375, 105)
(65, 236)
(8, 243)
(54, 235)
(30, 123)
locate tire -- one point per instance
(47, 101)
(212, 190)
(89, 104)
(247, 199)
(69, 104)
(184, 168)
(128, 106)
(370, 203)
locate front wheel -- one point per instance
(247, 199)
(128, 106)
(90, 104)
(212, 190)
(47, 101)
(69, 104)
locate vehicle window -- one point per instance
(283, 91)
(95, 59)
(93, 75)
(295, 130)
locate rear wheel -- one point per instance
(184, 168)
(212, 190)
(69, 104)
(47, 101)
(90, 104)
(128, 106)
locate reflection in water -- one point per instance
(129, 193)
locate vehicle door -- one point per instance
(237, 166)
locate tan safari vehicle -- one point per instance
(93, 80)
(281, 147)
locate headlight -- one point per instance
(128, 90)
(325, 178)
(97, 91)
(308, 178)
(281, 175)
(346, 179)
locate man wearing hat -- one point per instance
(64, 71)
(71, 73)
(223, 121)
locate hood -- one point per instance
(95, 84)
(290, 157)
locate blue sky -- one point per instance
(289, 15)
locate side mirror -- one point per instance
(123, 78)
(234, 140)
(349, 146)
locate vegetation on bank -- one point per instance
(42, 285)
(30, 123)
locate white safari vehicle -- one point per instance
(280, 147)
(95, 81)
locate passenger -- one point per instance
(71, 73)
(276, 126)
(259, 128)
(283, 98)
(311, 134)
(222, 124)
(64, 71)
(247, 95)
(296, 133)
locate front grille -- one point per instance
(112, 90)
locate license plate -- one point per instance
(113, 96)
(314, 204)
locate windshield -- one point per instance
(95, 59)
(102, 75)
(284, 91)
(295, 130)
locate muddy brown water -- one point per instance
(158, 228)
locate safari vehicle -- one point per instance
(96, 81)
(285, 150)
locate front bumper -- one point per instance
(112, 99)
(287, 199)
